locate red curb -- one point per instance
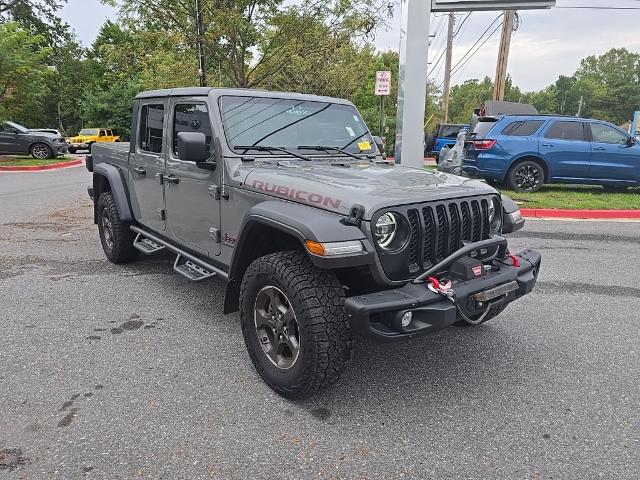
(37, 168)
(581, 214)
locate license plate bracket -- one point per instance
(495, 292)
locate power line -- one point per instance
(460, 67)
(477, 41)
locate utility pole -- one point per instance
(199, 34)
(508, 22)
(447, 67)
(580, 105)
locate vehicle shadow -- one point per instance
(454, 367)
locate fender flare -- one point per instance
(302, 223)
(115, 178)
(534, 157)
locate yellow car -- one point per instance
(89, 136)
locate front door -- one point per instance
(564, 148)
(612, 156)
(147, 165)
(191, 193)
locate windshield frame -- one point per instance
(95, 133)
(323, 104)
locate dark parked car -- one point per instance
(527, 151)
(18, 140)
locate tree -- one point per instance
(23, 71)
(249, 41)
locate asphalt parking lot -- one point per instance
(121, 372)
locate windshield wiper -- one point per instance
(324, 148)
(264, 148)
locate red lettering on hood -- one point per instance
(300, 195)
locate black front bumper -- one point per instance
(378, 314)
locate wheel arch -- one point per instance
(275, 226)
(44, 142)
(109, 178)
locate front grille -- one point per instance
(437, 230)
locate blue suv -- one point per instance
(526, 151)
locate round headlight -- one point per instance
(386, 229)
(495, 215)
(391, 232)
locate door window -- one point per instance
(563, 130)
(523, 128)
(151, 125)
(606, 134)
(191, 117)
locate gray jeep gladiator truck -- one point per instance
(286, 198)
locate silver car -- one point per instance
(18, 140)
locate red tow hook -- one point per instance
(514, 260)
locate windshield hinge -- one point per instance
(356, 214)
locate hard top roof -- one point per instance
(241, 92)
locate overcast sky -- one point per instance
(547, 44)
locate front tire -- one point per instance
(41, 151)
(72, 150)
(294, 324)
(115, 235)
(526, 176)
(478, 320)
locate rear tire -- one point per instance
(115, 235)
(41, 151)
(526, 176)
(294, 323)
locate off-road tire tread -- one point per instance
(123, 250)
(318, 301)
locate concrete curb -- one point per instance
(39, 168)
(581, 214)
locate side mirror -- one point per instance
(192, 147)
(380, 144)
(631, 141)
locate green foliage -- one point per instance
(23, 71)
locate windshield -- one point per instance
(17, 126)
(291, 123)
(89, 132)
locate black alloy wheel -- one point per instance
(527, 176)
(277, 327)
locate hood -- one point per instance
(338, 185)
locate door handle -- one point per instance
(172, 179)
(140, 171)
(547, 145)
(602, 149)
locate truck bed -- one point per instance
(116, 153)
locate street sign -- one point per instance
(478, 5)
(383, 82)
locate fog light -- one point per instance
(406, 319)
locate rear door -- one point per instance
(9, 140)
(192, 194)
(564, 147)
(612, 157)
(147, 164)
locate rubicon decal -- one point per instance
(299, 195)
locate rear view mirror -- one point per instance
(192, 147)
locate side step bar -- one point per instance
(186, 264)
(146, 245)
